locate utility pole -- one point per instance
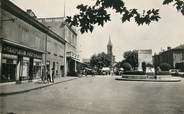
(45, 68)
(65, 45)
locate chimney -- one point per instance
(168, 48)
(31, 13)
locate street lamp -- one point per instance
(45, 64)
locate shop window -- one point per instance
(37, 69)
(182, 56)
(25, 69)
(8, 70)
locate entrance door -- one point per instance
(25, 68)
(62, 70)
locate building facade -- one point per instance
(144, 56)
(174, 57)
(58, 25)
(55, 56)
(23, 45)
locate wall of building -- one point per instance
(1, 35)
(178, 57)
(57, 25)
(23, 47)
(0, 22)
(55, 56)
(167, 57)
(172, 57)
(22, 33)
(144, 56)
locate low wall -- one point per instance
(145, 76)
(134, 76)
(163, 76)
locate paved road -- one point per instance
(99, 95)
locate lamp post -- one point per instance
(45, 66)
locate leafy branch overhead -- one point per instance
(179, 4)
(97, 14)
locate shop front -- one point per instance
(37, 68)
(20, 63)
(71, 63)
(8, 67)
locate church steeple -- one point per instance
(109, 46)
(109, 43)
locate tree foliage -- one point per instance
(100, 60)
(143, 65)
(165, 66)
(91, 15)
(131, 57)
(179, 4)
(126, 66)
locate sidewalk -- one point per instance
(30, 86)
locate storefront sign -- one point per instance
(9, 61)
(9, 56)
(19, 51)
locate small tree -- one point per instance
(165, 66)
(127, 66)
(100, 60)
(144, 66)
(132, 58)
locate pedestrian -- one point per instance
(43, 74)
(93, 72)
(53, 75)
(48, 75)
(85, 72)
(155, 76)
(111, 72)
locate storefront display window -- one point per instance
(25, 68)
(37, 68)
(8, 68)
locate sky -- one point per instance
(169, 31)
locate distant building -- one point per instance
(86, 60)
(86, 63)
(144, 56)
(110, 52)
(174, 57)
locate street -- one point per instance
(99, 95)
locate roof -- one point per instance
(180, 47)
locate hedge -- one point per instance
(135, 72)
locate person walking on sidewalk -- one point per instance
(53, 75)
(48, 76)
(44, 75)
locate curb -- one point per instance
(149, 80)
(36, 88)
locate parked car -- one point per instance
(181, 73)
(174, 72)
